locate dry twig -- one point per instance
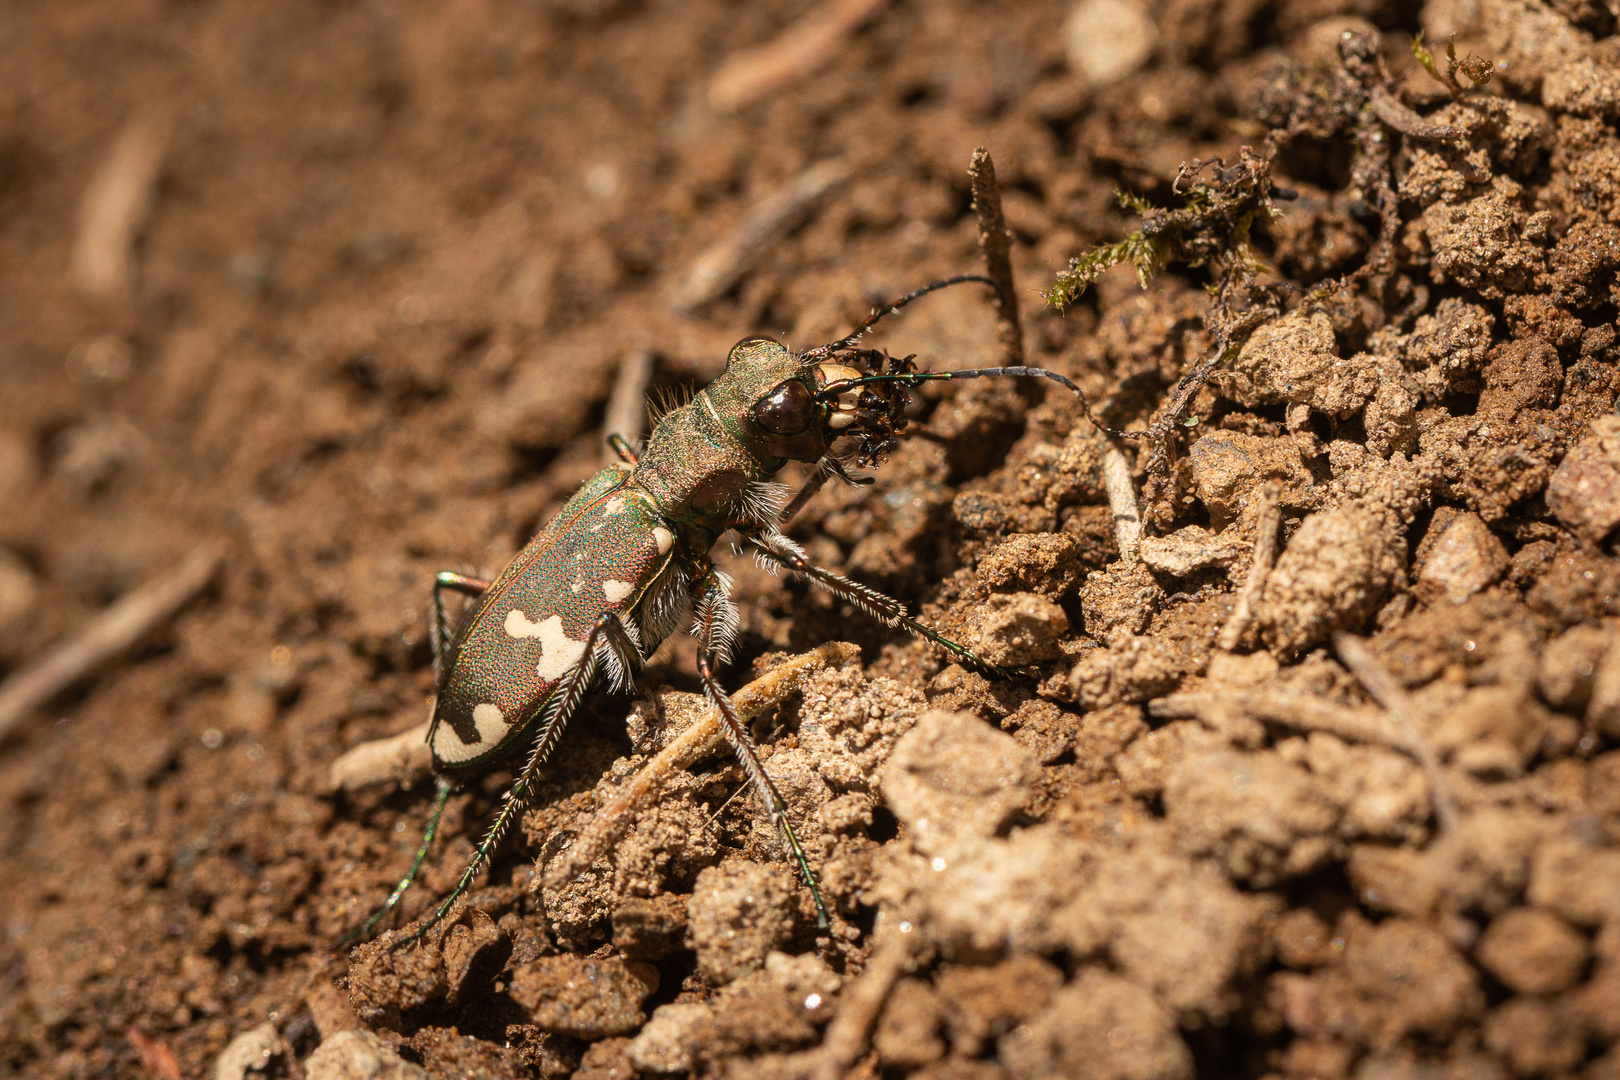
(115, 208)
(1355, 656)
(794, 53)
(1267, 521)
(994, 244)
(725, 262)
(702, 738)
(847, 1035)
(627, 408)
(405, 759)
(155, 1054)
(1300, 710)
(105, 636)
(1389, 108)
(1122, 504)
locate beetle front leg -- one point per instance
(777, 550)
(715, 625)
(439, 632)
(621, 447)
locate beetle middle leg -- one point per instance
(714, 625)
(621, 447)
(439, 633)
(776, 550)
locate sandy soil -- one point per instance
(1319, 777)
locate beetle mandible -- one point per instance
(626, 562)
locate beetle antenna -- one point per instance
(913, 378)
(889, 309)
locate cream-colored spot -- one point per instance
(490, 722)
(616, 590)
(839, 420)
(664, 539)
(613, 505)
(831, 373)
(558, 651)
(492, 728)
(519, 626)
(579, 584)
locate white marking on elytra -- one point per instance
(558, 651)
(616, 590)
(613, 505)
(664, 539)
(492, 728)
(490, 722)
(579, 583)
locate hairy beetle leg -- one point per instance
(441, 795)
(781, 551)
(564, 702)
(715, 627)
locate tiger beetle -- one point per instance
(626, 562)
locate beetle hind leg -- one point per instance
(559, 709)
(440, 797)
(715, 626)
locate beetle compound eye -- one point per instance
(786, 410)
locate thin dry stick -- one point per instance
(1267, 521)
(995, 244)
(1297, 709)
(627, 409)
(704, 737)
(1354, 655)
(115, 208)
(847, 1035)
(105, 636)
(725, 262)
(1122, 503)
(794, 53)
(1388, 108)
(405, 759)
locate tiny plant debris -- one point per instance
(626, 562)
(1212, 229)
(1478, 71)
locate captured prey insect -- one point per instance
(626, 562)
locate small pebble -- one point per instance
(1584, 494)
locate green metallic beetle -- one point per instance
(626, 562)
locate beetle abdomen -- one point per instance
(603, 552)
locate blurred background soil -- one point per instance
(341, 289)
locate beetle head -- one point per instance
(782, 407)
